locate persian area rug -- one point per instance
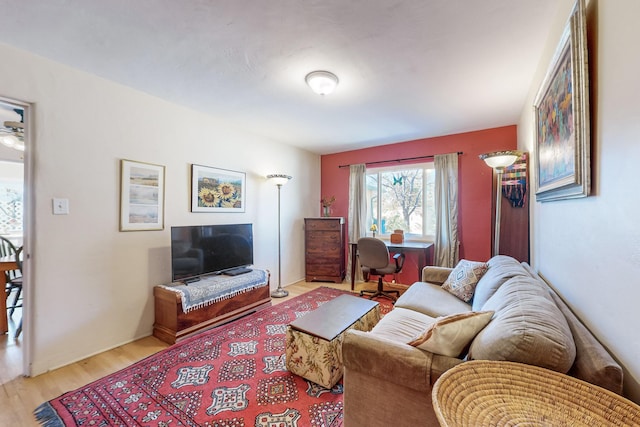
(230, 376)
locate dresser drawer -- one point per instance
(322, 237)
(331, 269)
(328, 224)
(323, 257)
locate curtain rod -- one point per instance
(398, 160)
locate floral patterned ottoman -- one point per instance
(314, 341)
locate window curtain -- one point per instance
(357, 212)
(446, 203)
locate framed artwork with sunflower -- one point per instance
(216, 190)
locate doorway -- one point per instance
(14, 215)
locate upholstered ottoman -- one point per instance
(314, 341)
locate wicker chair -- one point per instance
(492, 393)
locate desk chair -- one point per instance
(374, 259)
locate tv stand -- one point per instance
(237, 271)
(172, 323)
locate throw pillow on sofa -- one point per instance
(450, 335)
(463, 279)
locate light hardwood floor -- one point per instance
(21, 395)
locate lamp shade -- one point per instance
(278, 178)
(500, 159)
(322, 82)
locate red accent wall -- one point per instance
(475, 180)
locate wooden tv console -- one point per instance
(172, 323)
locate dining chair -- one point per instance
(13, 277)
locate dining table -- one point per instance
(7, 263)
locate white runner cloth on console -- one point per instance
(211, 289)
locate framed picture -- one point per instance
(561, 117)
(216, 190)
(141, 196)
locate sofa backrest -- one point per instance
(593, 363)
(527, 327)
(501, 269)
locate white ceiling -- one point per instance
(408, 68)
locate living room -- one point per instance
(91, 284)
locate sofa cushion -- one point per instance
(501, 268)
(463, 279)
(450, 335)
(432, 300)
(527, 327)
(402, 325)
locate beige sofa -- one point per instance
(388, 382)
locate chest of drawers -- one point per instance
(324, 249)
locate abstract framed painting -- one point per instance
(141, 196)
(561, 117)
(217, 190)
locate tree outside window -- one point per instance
(402, 198)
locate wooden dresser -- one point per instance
(324, 249)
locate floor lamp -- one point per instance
(499, 160)
(279, 180)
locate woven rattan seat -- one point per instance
(490, 393)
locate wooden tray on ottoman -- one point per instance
(314, 341)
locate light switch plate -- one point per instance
(60, 206)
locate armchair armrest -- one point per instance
(387, 360)
(437, 275)
(399, 259)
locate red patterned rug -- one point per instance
(230, 376)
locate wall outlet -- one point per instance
(61, 206)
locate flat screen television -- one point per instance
(198, 250)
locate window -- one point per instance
(402, 197)
(11, 177)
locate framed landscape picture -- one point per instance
(141, 196)
(561, 118)
(217, 190)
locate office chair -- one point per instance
(374, 259)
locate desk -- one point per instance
(423, 249)
(6, 264)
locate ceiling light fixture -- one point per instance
(322, 82)
(12, 135)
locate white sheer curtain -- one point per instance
(357, 211)
(446, 202)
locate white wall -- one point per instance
(91, 284)
(589, 248)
